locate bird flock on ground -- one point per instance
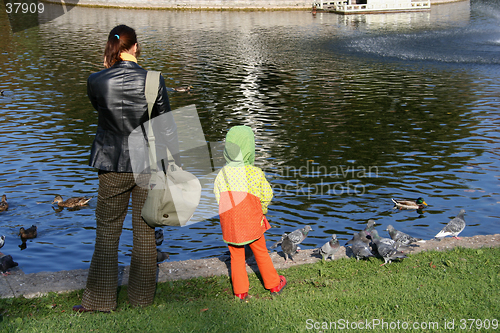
(364, 244)
(25, 234)
(367, 243)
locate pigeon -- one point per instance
(290, 241)
(386, 251)
(360, 247)
(401, 237)
(2, 241)
(161, 256)
(454, 227)
(288, 246)
(370, 225)
(329, 248)
(6, 262)
(29, 233)
(159, 236)
(275, 245)
(296, 236)
(4, 205)
(71, 202)
(374, 234)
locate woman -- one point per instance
(117, 93)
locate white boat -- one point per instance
(371, 6)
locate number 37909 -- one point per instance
(23, 8)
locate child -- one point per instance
(243, 194)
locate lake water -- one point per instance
(348, 111)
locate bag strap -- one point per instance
(151, 92)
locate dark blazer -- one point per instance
(117, 93)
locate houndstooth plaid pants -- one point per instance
(100, 293)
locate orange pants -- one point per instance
(239, 275)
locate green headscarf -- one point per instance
(239, 149)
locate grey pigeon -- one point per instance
(275, 245)
(290, 241)
(289, 248)
(386, 251)
(360, 247)
(159, 236)
(370, 225)
(6, 262)
(353, 238)
(374, 234)
(2, 241)
(161, 256)
(401, 237)
(454, 227)
(296, 236)
(329, 248)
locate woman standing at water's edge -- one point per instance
(117, 93)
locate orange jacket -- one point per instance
(242, 190)
(243, 194)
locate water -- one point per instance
(348, 112)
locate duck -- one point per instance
(409, 204)
(71, 202)
(29, 233)
(1, 92)
(183, 89)
(2, 241)
(4, 205)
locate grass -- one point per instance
(427, 289)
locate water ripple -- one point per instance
(347, 113)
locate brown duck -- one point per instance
(29, 233)
(3, 204)
(71, 202)
(183, 89)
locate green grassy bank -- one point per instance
(458, 290)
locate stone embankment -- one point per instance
(38, 284)
(205, 4)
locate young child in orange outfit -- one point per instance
(243, 194)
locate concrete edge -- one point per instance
(201, 5)
(33, 285)
(190, 5)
